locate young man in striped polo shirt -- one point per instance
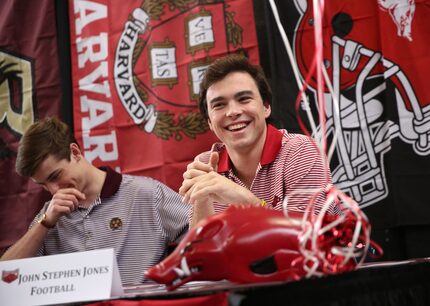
(255, 163)
(94, 208)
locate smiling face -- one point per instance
(54, 174)
(237, 114)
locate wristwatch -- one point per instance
(42, 220)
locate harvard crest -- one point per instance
(161, 56)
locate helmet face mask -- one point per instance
(367, 67)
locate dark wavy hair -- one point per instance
(221, 67)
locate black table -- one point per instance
(389, 283)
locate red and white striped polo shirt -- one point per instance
(290, 166)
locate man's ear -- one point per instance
(210, 124)
(75, 152)
(267, 110)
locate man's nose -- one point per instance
(234, 109)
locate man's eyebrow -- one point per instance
(236, 95)
(53, 173)
(216, 99)
(244, 93)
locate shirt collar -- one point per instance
(111, 184)
(271, 148)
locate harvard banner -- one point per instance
(377, 55)
(29, 89)
(137, 67)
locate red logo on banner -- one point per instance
(9, 276)
(161, 58)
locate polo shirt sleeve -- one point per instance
(173, 213)
(307, 172)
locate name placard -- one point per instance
(64, 278)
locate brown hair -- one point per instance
(49, 136)
(221, 67)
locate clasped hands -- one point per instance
(203, 184)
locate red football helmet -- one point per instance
(254, 244)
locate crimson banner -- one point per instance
(29, 89)
(137, 67)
